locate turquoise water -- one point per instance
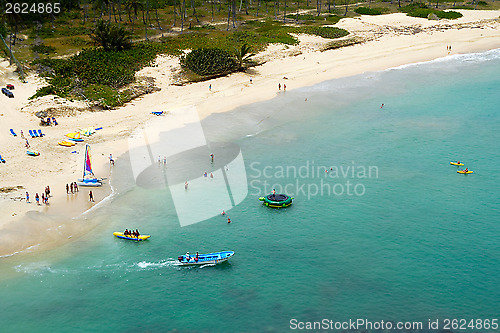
(419, 242)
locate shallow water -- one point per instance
(417, 241)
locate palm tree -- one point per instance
(134, 5)
(111, 37)
(243, 55)
(284, 13)
(13, 19)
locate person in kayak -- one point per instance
(466, 170)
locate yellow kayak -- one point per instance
(457, 164)
(123, 236)
(464, 172)
(66, 144)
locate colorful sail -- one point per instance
(87, 168)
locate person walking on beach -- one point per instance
(210, 87)
(91, 197)
(67, 188)
(111, 160)
(71, 186)
(164, 160)
(186, 185)
(22, 134)
(75, 186)
(27, 197)
(37, 199)
(279, 86)
(212, 157)
(27, 143)
(284, 87)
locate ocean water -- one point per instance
(403, 238)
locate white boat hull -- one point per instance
(205, 259)
(89, 184)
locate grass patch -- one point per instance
(332, 19)
(423, 11)
(105, 95)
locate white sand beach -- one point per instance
(391, 41)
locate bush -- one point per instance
(368, 11)
(209, 61)
(325, 32)
(96, 66)
(450, 15)
(43, 49)
(421, 10)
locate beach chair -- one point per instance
(40, 133)
(35, 133)
(157, 113)
(12, 132)
(1, 159)
(31, 133)
(98, 128)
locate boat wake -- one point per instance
(38, 268)
(153, 265)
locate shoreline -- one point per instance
(303, 65)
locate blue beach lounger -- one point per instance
(12, 132)
(31, 133)
(1, 159)
(35, 133)
(157, 113)
(40, 133)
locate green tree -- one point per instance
(243, 55)
(111, 37)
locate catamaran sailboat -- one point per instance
(89, 179)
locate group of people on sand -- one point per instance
(132, 233)
(73, 187)
(45, 197)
